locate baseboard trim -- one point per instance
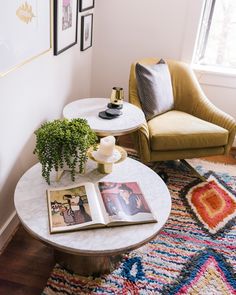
(8, 230)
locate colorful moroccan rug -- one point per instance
(195, 253)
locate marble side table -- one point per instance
(94, 251)
(88, 108)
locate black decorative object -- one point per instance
(104, 115)
(114, 106)
(109, 114)
(113, 112)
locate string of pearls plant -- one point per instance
(63, 141)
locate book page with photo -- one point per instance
(125, 202)
(73, 208)
(88, 205)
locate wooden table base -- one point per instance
(87, 265)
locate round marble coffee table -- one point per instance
(88, 108)
(93, 251)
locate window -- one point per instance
(216, 45)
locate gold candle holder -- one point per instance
(105, 167)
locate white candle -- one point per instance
(107, 145)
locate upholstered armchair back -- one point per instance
(186, 89)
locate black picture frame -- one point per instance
(86, 31)
(86, 5)
(65, 31)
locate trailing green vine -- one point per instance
(63, 141)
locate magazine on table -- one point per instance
(87, 205)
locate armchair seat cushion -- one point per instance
(177, 130)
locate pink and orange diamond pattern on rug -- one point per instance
(206, 273)
(213, 205)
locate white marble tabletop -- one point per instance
(88, 108)
(31, 206)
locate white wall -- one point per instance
(128, 30)
(36, 92)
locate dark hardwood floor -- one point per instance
(26, 263)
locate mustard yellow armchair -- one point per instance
(193, 128)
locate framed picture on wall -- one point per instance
(65, 24)
(86, 4)
(25, 32)
(86, 31)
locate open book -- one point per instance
(87, 205)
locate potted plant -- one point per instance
(62, 142)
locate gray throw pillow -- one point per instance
(154, 88)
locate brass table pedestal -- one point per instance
(87, 265)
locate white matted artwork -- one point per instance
(86, 31)
(86, 4)
(65, 24)
(25, 32)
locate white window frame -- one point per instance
(204, 29)
(206, 75)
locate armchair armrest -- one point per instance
(142, 143)
(134, 99)
(141, 137)
(133, 92)
(207, 111)
(190, 98)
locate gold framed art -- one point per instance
(25, 32)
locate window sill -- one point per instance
(215, 76)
